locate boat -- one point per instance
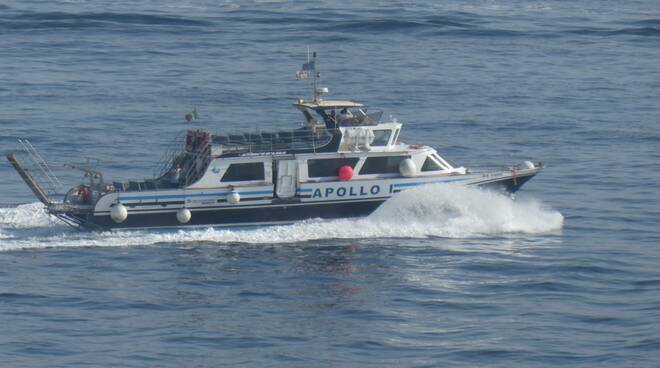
(342, 162)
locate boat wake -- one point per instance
(429, 211)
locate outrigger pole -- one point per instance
(29, 179)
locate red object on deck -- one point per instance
(345, 173)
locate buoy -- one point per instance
(233, 197)
(529, 164)
(345, 173)
(407, 168)
(118, 213)
(183, 215)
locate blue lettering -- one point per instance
(341, 192)
(351, 192)
(328, 191)
(375, 189)
(362, 192)
(317, 193)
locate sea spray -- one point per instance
(433, 210)
(24, 216)
(458, 211)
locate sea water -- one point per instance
(565, 274)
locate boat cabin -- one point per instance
(334, 134)
(333, 114)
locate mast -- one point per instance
(315, 78)
(310, 67)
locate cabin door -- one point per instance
(287, 178)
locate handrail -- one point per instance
(39, 163)
(296, 140)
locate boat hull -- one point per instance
(276, 212)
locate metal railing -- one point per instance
(39, 169)
(175, 148)
(272, 141)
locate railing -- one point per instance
(176, 147)
(194, 164)
(39, 169)
(272, 141)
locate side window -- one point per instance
(328, 166)
(396, 136)
(442, 161)
(430, 165)
(244, 172)
(381, 137)
(382, 165)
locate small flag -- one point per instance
(310, 65)
(302, 74)
(192, 115)
(307, 67)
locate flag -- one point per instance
(302, 74)
(310, 65)
(192, 115)
(306, 69)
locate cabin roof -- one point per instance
(325, 104)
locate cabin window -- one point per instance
(382, 165)
(329, 166)
(442, 161)
(431, 165)
(396, 136)
(381, 137)
(244, 172)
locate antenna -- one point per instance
(317, 74)
(310, 67)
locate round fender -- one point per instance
(183, 215)
(345, 173)
(118, 213)
(233, 197)
(407, 168)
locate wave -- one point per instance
(450, 23)
(327, 20)
(648, 22)
(634, 31)
(431, 211)
(26, 216)
(48, 20)
(464, 24)
(464, 21)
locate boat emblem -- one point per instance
(215, 170)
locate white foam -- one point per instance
(26, 216)
(435, 210)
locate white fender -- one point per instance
(183, 215)
(233, 197)
(118, 213)
(407, 168)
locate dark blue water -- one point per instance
(566, 275)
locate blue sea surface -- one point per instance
(567, 274)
